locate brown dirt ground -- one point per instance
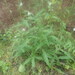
(9, 12)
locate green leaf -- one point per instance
(33, 62)
(67, 67)
(58, 70)
(68, 55)
(45, 57)
(27, 61)
(39, 58)
(21, 68)
(64, 57)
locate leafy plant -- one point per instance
(40, 37)
(3, 66)
(43, 38)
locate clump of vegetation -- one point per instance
(43, 38)
(3, 64)
(39, 39)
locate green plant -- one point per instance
(44, 38)
(39, 41)
(3, 66)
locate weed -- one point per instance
(45, 39)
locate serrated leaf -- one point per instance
(39, 58)
(27, 61)
(68, 55)
(45, 57)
